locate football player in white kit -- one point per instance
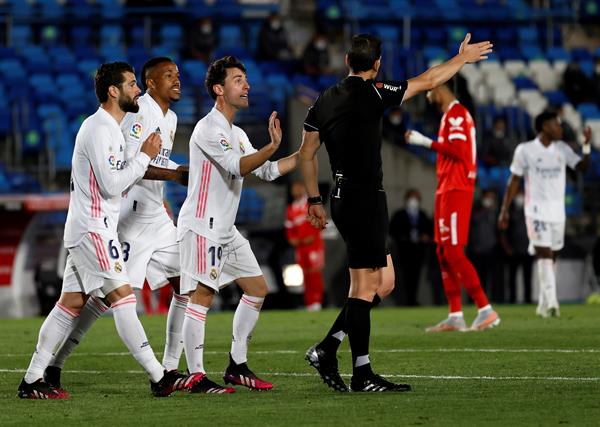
(147, 234)
(95, 264)
(213, 252)
(542, 163)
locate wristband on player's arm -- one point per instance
(417, 138)
(316, 200)
(586, 149)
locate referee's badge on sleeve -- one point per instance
(136, 130)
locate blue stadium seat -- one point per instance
(82, 9)
(111, 35)
(587, 66)
(194, 72)
(557, 54)
(588, 110)
(523, 82)
(80, 36)
(20, 35)
(556, 97)
(50, 9)
(171, 35)
(111, 9)
(230, 36)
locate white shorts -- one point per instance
(215, 264)
(95, 266)
(545, 234)
(150, 252)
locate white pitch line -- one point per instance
(392, 350)
(301, 374)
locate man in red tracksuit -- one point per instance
(310, 250)
(456, 173)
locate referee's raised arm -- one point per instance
(435, 76)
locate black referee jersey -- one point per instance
(348, 117)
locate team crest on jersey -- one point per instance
(136, 130)
(225, 144)
(112, 161)
(214, 273)
(242, 149)
(455, 121)
(118, 267)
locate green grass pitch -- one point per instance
(528, 371)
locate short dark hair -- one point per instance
(452, 85)
(110, 74)
(149, 65)
(543, 118)
(218, 71)
(364, 50)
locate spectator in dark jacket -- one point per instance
(411, 230)
(273, 40)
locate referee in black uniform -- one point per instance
(347, 117)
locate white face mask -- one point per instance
(597, 68)
(395, 119)
(487, 202)
(206, 28)
(412, 204)
(519, 201)
(321, 44)
(498, 133)
(275, 25)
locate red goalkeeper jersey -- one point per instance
(457, 150)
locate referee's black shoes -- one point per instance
(327, 367)
(376, 383)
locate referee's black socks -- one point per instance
(358, 323)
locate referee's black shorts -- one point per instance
(361, 216)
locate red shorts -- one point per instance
(311, 257)
(452, 216)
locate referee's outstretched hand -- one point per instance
(317, 216)
(275, 129)
(474, 52)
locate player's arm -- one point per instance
(454, 149)
(435, 76)
(180, 174)
(309, 169)
(586, 150)
(511, 190)
(112, 181)
(252, 161)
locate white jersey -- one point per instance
(144, 202)
(544, 170)
(215, 183)
(99, 177)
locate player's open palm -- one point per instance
(275, 129)
(151, 145)
(474, 52)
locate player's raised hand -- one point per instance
(587, 135)
(275, 129)
(151, 145)
(474, 52)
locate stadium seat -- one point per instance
(516, 68)
(230, 36)
(532, 101)
(588, 111)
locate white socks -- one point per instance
(547, 284)
(174, 342)
(133, 335)
(55, 329)
(91, 311)
(244, 320)
(193, 336)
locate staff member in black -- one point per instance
(347, 117)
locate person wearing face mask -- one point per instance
(596, 79)
(202, 39)
(394, 127)
(411, 230)
(543, 163)
(483, 245)
(497, 147)
(315, 59)
(273, 40)
(514, 242)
